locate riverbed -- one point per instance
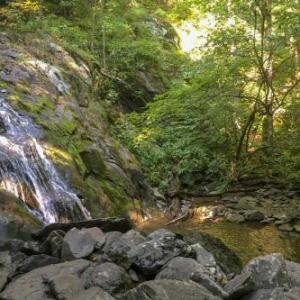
(248, 240)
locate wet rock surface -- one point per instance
(134, 266)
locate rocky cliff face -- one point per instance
(40, 79)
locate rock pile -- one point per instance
(95, 260)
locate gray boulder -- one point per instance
(108, 276)
(119, 248)
(254, 215)
(273, 294)
(207, 260)
(53, 244)
(110, 238)
(5, 268)
(65, 287)
(34, 285)
(93, 293)
(268, 271)
(37, 261)
(293, 270)
(240, 285)
(161, 246)
(77, 244)
(182, 268)
(105, 224)
(97, 234)
(169, 290)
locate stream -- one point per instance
(248, 240)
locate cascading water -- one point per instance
(26, 172)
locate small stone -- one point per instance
(297, 227)
(286, 227)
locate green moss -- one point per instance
(120, 202)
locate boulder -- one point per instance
(110, 238)
(108, 276)
(161, 246)
(53, 244)
(207, 260)
(240, 285)
(31, 248)
(293, 270)
(65, 287)
(268, 271)
(37, 261)
(34, 285)
(92, 158)
(105, 224)
(94, 293)
(254, 215)
(268, 294)
(97, 234)
(246, 203)
(5, 268)
(169, 290)
(227, 259)
(77, 244)
(118, 249)
(286, 227)
(234, 217)
(182, 268)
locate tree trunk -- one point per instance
(268, 70)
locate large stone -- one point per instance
(268, 271)
(254, 215)
(207, 260)
(77, 244)
(224, 256)
(65, 287)
(92, 158)
(5, 268)
(270, 294)
(37, 261)
(246, 202)
(118, 249)
(105, 224)
(34, 285)
(108, 276)
(110, 238)
(162, 245)
(240, 285)
(293, 270)
(182, 268)
(169, 290)
(54, 242)
(97, 234)
(93, 293)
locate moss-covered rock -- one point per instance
(55, 91)
(15, 219)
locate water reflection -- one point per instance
(247, 240)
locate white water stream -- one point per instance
(26, 172)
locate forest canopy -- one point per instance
(228, 109)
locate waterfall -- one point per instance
(26, 172)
